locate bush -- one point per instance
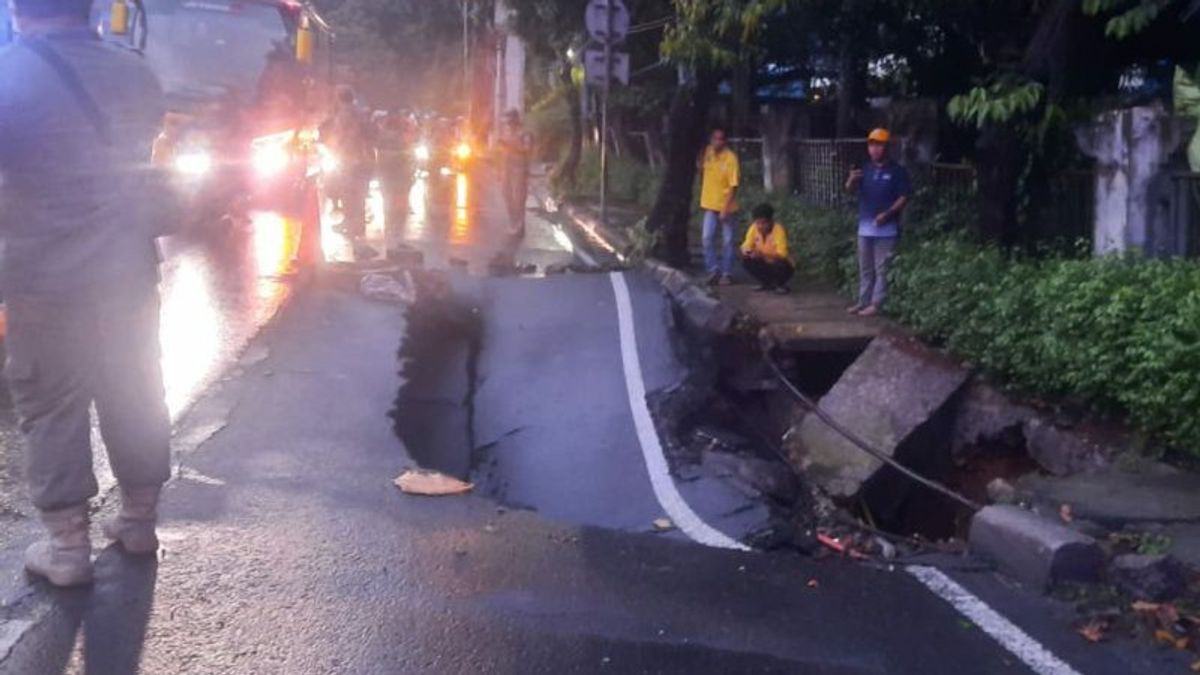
(1119, 335)
(630, 181)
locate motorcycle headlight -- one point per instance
(194, 163)
(421, 152)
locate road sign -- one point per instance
(598, 21)
(593, 66)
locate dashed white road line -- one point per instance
(1016, 641)
(656, 463)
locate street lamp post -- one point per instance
(466, 26)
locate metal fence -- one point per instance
(822, 168)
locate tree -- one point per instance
(1065, 55)
(385, 42)
(706, 41)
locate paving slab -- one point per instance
(887, 397)
(1114, 497)
(808, 319)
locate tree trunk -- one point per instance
(743, 97)
(686, 127)
(777, 124)
(1000, 155)
(850, 87)
(570, 164)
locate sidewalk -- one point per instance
(810, 319)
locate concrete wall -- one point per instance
(1131, 147)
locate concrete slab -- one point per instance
(1115, 498)
(1032, 549)
(806, 320)
(886, 397)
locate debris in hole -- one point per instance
(1000, 491)
(1095, 630)
(431, 484)
(1064, 512)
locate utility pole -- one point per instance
(604, 113)
(607, 24)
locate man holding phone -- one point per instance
(883, 189)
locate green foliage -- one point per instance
(714, 32)
(997, 103)
(1120, 335)
(630, 182)
(1127, 17)
(643, 241)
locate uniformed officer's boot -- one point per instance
(133, 528)
(65, 559)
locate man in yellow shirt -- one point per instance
(765, 252)
(721, 176)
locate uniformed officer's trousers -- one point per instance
(63, 357)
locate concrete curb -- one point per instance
(703, 310)
(609, 238)
(1034, 550)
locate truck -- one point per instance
(248, 83)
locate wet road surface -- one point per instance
(287, 549)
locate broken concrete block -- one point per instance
(1000, 491)
(1034, 550)
(704, 311)
(1063, 452)
(1157, 578)
(891, 397)
(986, 417)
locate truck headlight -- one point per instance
(194, 164)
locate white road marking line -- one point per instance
(1016, 641)
(656, 463)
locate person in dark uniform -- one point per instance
(516, 145)
(83, 206)
(350, 134)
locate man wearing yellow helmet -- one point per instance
(883, 190)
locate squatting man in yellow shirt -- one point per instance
(765, 252)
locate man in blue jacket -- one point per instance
(883, 189)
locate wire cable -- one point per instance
(863, 445)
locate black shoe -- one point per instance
(762, 288)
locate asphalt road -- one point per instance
(288, 550)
